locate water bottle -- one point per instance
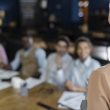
(24, 90)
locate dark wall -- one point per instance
(11, 8)
(98, 5)
(98, 15)
(65, 10)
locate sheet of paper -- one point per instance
(4, 85)
(32, 82)
(72, 100)
(62, 106)
(7, 74)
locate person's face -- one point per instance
(62, 47)
(26, 42)
(83, 50)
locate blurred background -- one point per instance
(46, 19)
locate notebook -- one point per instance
(71, 100)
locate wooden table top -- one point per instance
(45, 93)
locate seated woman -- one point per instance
(58, 64)
(82, 67)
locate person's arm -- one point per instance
(3, 55)
(40, 55)
(51, 67)
(16, 62)
(71, 87)
(70, 79)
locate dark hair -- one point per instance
(83, 39)
(64, 39)
(25, 36)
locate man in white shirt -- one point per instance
(82, 69)
(82, 66)
(58, 64)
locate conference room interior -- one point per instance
(45, 21)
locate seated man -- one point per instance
(99, 89)
(32, 59)
(82, 67)
(58, 63)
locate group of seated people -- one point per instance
(60, 68)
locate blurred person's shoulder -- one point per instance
(69, 57)
(95, 62)
(102, 71)
(39, 50)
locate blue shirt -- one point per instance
(81, 71)
(58, 76)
